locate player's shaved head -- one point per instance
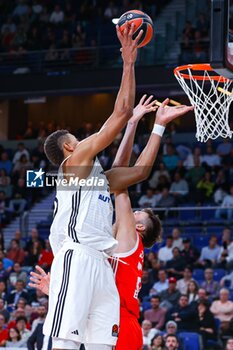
(53, 146)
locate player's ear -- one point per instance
(68, 146)
(140, 227)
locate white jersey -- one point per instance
(83, 214)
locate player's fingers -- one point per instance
(32, 285)
(131, 29)
(33, 279)
(165, 102)
(119, 34)
(152, 104)
(143, 99)
(126, 28)
(34, 274)
(138, 37)
(148, 100)
(40, 270)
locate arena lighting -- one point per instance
(32, 100)
(115, 20)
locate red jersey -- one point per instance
(128, 275)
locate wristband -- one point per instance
(158, 129)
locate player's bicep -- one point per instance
(88, 148)
(123, 177)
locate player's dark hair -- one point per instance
(153, 229)
(53, 146)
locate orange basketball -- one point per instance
(141, 21)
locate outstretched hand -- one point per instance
(129, 45)
(145, 106)
(166, 114)
(40, 280)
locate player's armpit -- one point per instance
(123, 177)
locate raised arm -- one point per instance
(146, 105)
(123, 109)
(121, 178)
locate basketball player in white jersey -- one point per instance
(144, 164)
(84, 302)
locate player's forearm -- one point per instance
(125, 149)
(148, 156)
(125, 99)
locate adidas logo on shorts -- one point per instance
(75, 332)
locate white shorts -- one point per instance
(83, 298)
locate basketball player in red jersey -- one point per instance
(128, 258)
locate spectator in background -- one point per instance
(33, 254)
(148, 200)
(21, 9)
(161, 284)
(17, 274)
(206, 323)
(19, 238)
(165, 253)
(34, 237)
(57, 16)
(15, 252)
(229, 344)
(211, 287)
(157, 343)
(171, 342)
(202, 25)
(41, 314)
(182, 284)
(171, 295)
(3, 272)
(14, 339)
(166, 200)
(177, 240)
(179, 188)
(17, 293)
(5, 163)
(22, 165)
(3, 291)
(202, 295)
(192, 291)
(4, 311)
(226, 207)
(111, 11)
(146, 284)
(209, 254)
(224, 148)
(222, 308)
(5, 180)
(21, 323)
(7, 263)
(21, 151)
(171, 159)
(176, 265)
(156, 314)
(195, 173)
(189, 253)
(205, 188)
(184, 314)
(211, 158)
(46, 257)
(3, 331)
(189, 163)
(227, 281)
(154, 180)
(148, 332)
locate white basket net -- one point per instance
(211, 96)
